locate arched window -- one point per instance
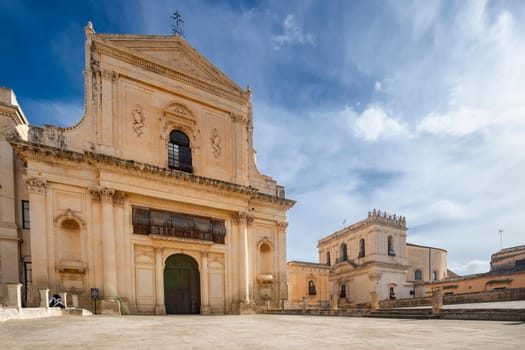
(328, 258)
(361, 248)
(343, 291)
(417, 275)
(343, 256)
(390, 247)
(179, 152)
(311, 288)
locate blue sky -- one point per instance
(414, 107)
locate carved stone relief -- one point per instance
(137, 112)
(215, 143)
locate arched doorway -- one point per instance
(182, 285)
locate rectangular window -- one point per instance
(25, 214)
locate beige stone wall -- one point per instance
(430, 261)
(507, 258)
(481, 283)
(83, 181)
(299, 276)
(11, 120)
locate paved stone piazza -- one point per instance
(257, 332)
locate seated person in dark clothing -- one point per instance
(56, 301)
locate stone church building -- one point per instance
(153, 197)
(365, 262)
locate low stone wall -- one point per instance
(483, 314)
(483, 297)
(467, 298)
(9, 313)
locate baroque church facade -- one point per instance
(153, 199)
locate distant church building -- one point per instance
(153, 197)
(369, 259)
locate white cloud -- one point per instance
(292, 34)
(456, 123)
(373, 124)
(470, 267)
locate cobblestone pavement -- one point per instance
(256, 332)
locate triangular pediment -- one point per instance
(174, 52)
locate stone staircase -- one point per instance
(419, 314)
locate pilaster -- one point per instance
(160, 307)
(205, 304)
(245, 222)
(39, 246)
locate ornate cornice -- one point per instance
(27, 150)
(121, 54)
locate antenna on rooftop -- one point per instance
(500, 238)
(177, 26)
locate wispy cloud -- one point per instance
(292, 34)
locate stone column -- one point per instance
(437, 300)
(44, 297)
(108, 244)
(205, 304)
(14, 295)
(39, 252)
(63, 296)
(246, 306)
(334, 299)
(160, 307)
(74, 300)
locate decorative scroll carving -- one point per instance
(36, 185)
(180, 112)
(101, 193)
(95, 194)
(119, 198)
(137, 112)
(215, 143)
(242, 218)
(237, 118)
(110, 74)
(107, 193)
(281, 226)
